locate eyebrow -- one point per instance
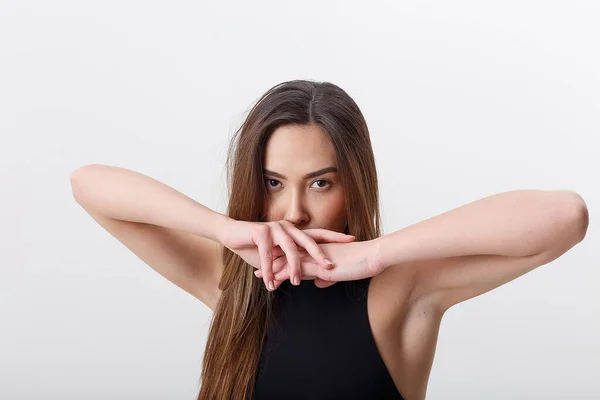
(307, 176)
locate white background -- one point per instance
(463, 99)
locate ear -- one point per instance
(322, 284)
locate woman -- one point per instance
(304, 206)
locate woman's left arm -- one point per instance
(481, 245)
(514, 224)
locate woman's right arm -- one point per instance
(176, 236)
(181, 239)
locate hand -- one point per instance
(352, 261)
(243, 238)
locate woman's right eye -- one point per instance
(267, 181)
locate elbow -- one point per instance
(575, 220)
(74, 179)
(584, 220)
(579, 216)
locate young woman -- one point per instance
(304, 207)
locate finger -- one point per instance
(281, 262)
(276, 253)
(325, 235)
(281, 270)
(283, 275)
(309, 268)
(277, 273)
(325, 274)
(287, 243)
(280, 266)
(309, 244)
(322, 284)
(265, 246)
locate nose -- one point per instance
(296, 211)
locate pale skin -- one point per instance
(418, 272)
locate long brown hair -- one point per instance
(243, 314)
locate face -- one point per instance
(301, 188)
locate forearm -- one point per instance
(131, 196)
(515, 223)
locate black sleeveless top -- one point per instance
(320, 346)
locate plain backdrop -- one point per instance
(463, 99)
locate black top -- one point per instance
(321, 346)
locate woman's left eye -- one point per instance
(322, 180)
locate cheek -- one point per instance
(334, 211)
(274, 209)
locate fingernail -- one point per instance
(328, 262)
(257, 272)
(296, 280)
(271, 286)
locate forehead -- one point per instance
(296, 149)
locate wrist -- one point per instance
(374, 255)
(222, 224)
